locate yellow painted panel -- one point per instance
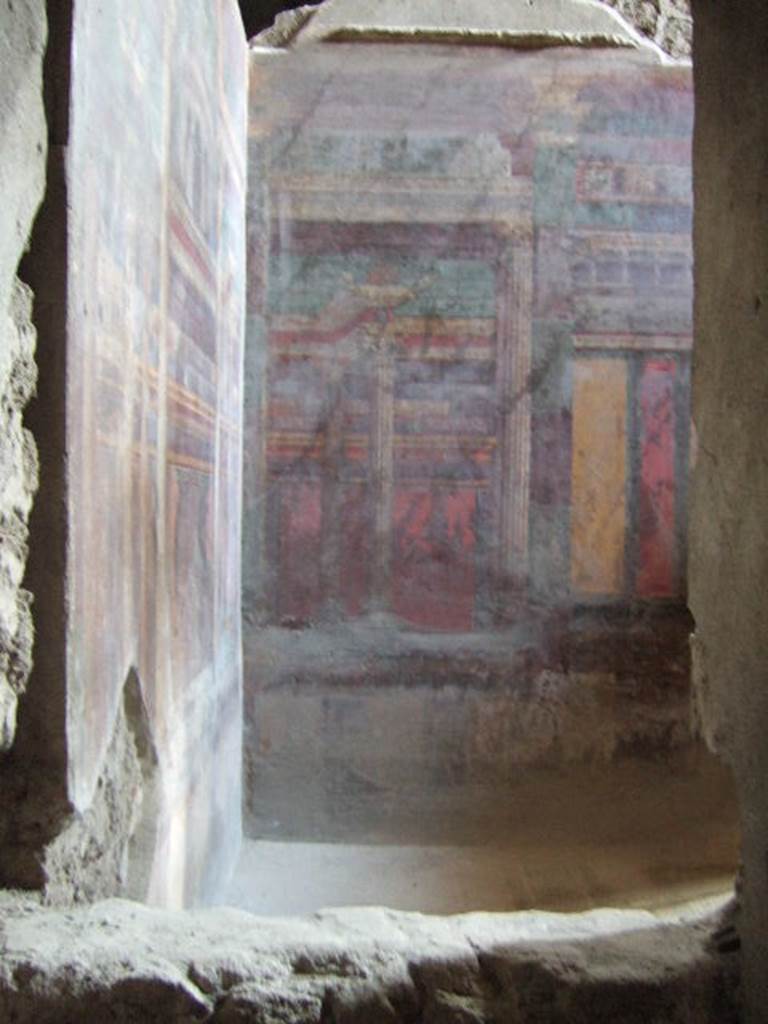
(598, 512)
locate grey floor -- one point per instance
(630, 835)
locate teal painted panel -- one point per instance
(553, 183)
(304, 285)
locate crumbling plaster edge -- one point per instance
(290, 26)
(520, 40)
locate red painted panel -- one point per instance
(434, 557)
(356, 549)
(656, 526)
(299, 557)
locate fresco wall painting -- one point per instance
(472, 332)
(154, 361)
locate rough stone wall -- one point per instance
(89, 858)
(667, 22)
(729, 553)
(22, 177)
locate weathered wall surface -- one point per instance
(154, 364)
(466, 417)
(138, 685)
(667, 22)
(729, 554)
(22, 179)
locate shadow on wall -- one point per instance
(144, 830)
(260, 14)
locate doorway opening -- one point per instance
(466, 665)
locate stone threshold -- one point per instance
(119, 961)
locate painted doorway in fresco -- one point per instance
(398, 412)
